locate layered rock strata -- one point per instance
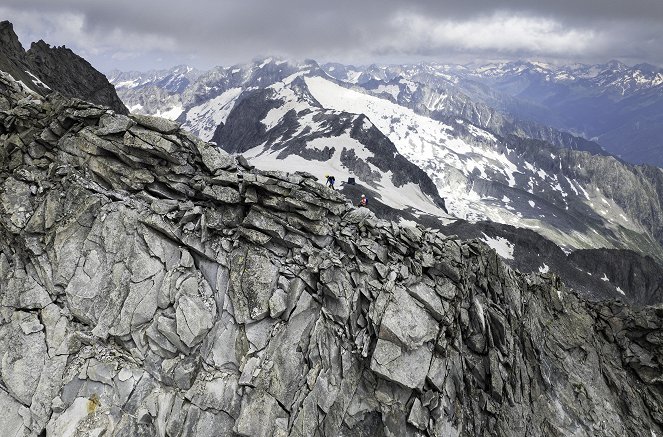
(154, 285)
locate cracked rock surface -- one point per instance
(154, 286)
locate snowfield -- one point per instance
(171, 114)
(203, 119)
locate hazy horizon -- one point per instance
(357, 65)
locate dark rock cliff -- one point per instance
(45, 69)
(72, 75)
(153, 286)
(12, 58)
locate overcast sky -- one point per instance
(147, 34)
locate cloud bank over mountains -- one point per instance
(157, 33)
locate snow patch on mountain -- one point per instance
(172, 113)
(290, 102)
(37, 81)
(127, 84)
(265, 62)
(339, 144)
(203, 119)
(408, 196)
(502, 246)
(392, 90)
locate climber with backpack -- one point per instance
(330, 181)
(363, 201)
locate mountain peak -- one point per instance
(40, 45)
(616, 65)
(8, 39)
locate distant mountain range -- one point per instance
(576, 106)
(412, 136)
(616, 105)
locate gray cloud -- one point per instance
(157, 33)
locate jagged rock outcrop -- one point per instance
(72, 75)
(45, 69)
(152, 285)
(12, 58)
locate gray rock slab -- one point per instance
(408, 368)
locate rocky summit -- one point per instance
(153, 285)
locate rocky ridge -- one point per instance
(153, 285)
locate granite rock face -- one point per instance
(153, 285)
